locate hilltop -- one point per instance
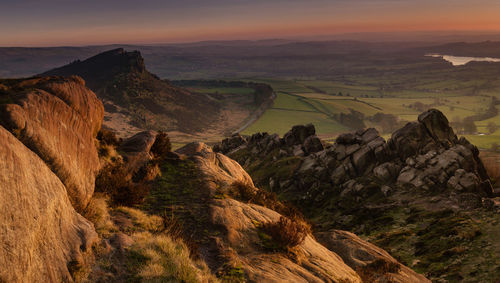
(130, 92)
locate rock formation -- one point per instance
(425, 154)
(48, 163)
(365, 184)
(236, 236)
(58, 118)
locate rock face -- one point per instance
(58, 118)
(235, 229)
(41, 235)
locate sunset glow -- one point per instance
(72, 22)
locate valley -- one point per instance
(302, 162)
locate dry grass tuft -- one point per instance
(168, 260)
(142, 220)
(97, 212)
(286, 233)
(378, 269)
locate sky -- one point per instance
(90, 22)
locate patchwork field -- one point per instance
(320, 102)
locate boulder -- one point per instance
(58, 119)
(41, 235)
(438, 127)
(348, 139)
(298, 134)
(313, 144)
(140, 142)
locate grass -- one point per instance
(141, 219)
(281, 121)
(97, 212)
(299, 102)
(162, 259)
(224, 90)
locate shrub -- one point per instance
(161, 146)
(286, 233)
(111, 177)
(114, 180)
(377, 269)
(242, 191)
(492, 127)
(108, 137)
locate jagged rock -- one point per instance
(230, 143)
(140, 142)
(410, 140)
(422, 167)
(358, 254)
(369, 135)
(363, 159)
(313, 144)
(438, 127)
(40, 232)
(58, 118)
(298, 134)
(348, 139)
(297, 150)
(386, 172)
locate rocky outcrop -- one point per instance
(58, 119)
(425, 154)
(391, 191)
(42, 238)
(237, 236)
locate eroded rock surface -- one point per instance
(235, 238)
(359, 254)
(41, 235)
(58, 118)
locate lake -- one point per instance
(460, 60)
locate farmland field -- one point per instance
(318, 101)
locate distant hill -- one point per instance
(479, 49)
(128, 90)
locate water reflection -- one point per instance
(460, 60)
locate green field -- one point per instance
(317, 101)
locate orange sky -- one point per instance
(75, 22)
